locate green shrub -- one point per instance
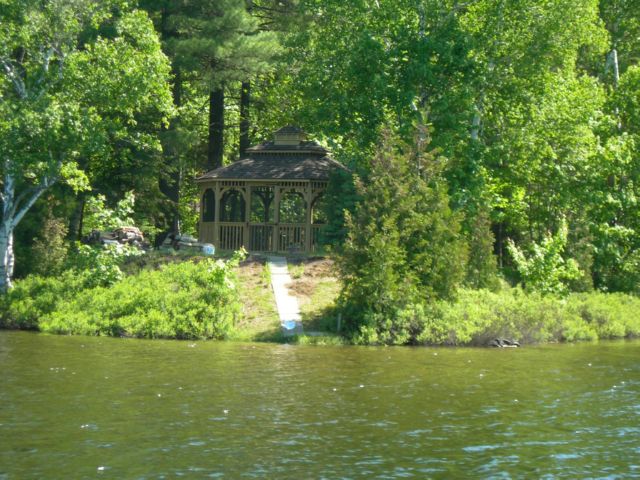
(49, 251)
(98, 216)
(545, 270)
(185, 300)
(34, 297)
(180, 300)
(100, 265)
(610, 315)
(476, 317)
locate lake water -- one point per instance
(78, 407)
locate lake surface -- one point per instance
(79, 407)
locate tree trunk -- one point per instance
(171, 182)
(6, 254)
(216, 128)
(245, 125)
(475, 125)
(612, 62)
(75, 223)
(612, 59)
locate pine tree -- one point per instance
(222, 44)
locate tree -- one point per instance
(545, 270)
(404, 245)
(221, 43)
(71, 96)
(216, 47)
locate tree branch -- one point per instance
(15, 79)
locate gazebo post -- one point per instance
(216, 215)
(307, 218)
(276, 217)
(247, 215)
(201, 191)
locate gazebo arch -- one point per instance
(250, 196)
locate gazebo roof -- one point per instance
(278, 160)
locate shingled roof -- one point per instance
(307, 160)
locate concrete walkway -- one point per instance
(288, 308)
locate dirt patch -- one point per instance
(316, 286)
(253, 265)
(306, 274)
(315, 266)
(302, 287)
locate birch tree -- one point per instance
(54, 108)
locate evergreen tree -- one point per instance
(404, 245)
(222, 44)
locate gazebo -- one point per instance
(269, 201)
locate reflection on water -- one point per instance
(78, 407)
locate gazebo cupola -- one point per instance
(270, 200)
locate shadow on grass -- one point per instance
(321, 320)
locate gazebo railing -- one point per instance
(261, 237)
(291, 237)
(288, 238)
(231, 235)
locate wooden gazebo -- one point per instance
(270, 200)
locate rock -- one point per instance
(119, 236)
(504, 343)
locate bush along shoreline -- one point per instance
(198, 298)
(476, 317)
(186, 300)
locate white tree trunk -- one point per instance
(612, 61)
(13, 210)
(475, 125)
(6, 255)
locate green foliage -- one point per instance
(265, 275)
(98, 216)
(183, 300)
(100, 265)
(404, 244)
(545, 270)
(34, 297)
(84, 88)
(482, 268)
(189, 212)
(180, 300)
(50, 249)
(319, 340)
(478, 316)
(339, 199)
(626, 99)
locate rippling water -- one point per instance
(78, 407)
